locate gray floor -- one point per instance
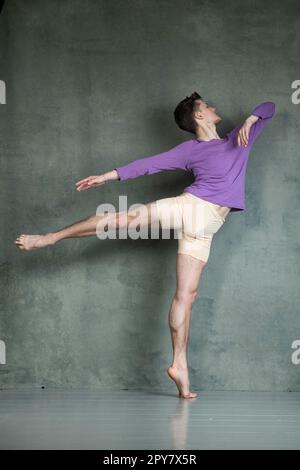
(85, 419)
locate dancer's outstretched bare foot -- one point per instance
(181, 378)
(29, 242)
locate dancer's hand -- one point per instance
(90, 181)
(243, 134)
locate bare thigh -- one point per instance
(188, 268)
(144, 215)
(188, 275)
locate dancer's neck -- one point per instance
(207, 132)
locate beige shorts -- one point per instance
(195, 222)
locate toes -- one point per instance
(19, 245)
(19, 241)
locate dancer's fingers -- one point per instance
(243, 137)
(89, 184)
(85, 179)
(79, 182)
(85, 184)
(96, 179)
(247, 135)
(82, 187)
(95, 183)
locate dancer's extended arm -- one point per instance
(177, 158)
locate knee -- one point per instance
(186, 297)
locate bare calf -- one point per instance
(89, 226)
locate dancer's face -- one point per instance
(207, 113)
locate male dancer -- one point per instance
(219, 168)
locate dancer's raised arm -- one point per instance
(254, 124)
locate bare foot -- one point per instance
(181, 378)
(29, 242)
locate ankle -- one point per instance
(53, 238)
(179, 366)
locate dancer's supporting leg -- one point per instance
(91, 225)
(188, 270)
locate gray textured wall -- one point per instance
(91, 85)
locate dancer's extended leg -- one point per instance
(189, 270)
(91, 225)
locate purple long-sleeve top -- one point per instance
(218, 165)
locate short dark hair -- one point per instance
(183, 113)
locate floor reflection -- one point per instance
(179, 423)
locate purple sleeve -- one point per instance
(265, 111)
(174, 159)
